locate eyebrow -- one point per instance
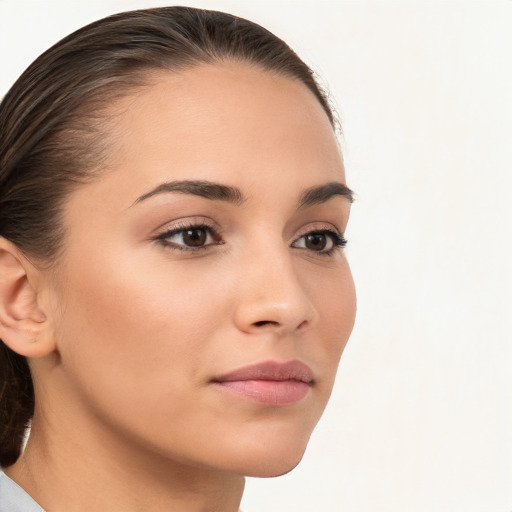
(207, 189)
(322, 193)
(219, 192)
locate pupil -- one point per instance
(316, 241)
(194, 237)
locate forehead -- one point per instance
(229, 122)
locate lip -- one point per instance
(269, 383)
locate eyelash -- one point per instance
(338, 241)
(162, 238)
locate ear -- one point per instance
(24, 326)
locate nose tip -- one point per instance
(282, 319)
(278, 305)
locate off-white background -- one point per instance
(421, 416)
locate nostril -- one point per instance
(262, 323)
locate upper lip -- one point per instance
(270, 370)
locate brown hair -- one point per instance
(53, 136)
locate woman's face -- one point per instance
(204, 299)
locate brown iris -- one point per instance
(194, 237)
(316, 241)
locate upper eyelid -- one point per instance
(171, 232)
(318, 226)
(208, 223)
(187, 223)
(214, 227)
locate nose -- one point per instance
(272, 295)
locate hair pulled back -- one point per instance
(52, 133)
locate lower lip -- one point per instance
(268, 392)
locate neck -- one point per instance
(94, 470)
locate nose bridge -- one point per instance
(273, 296)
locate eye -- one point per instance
(189, 238)
(323, 241)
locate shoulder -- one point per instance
(13, 498)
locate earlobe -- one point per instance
(24, 326)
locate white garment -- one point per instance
(13, 498)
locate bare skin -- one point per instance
(166, 285)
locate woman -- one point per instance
(174, 293)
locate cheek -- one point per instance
(125, 299)
(341, 307)
(138, 344)
(134, 331)
(335, 302)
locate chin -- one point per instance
(272, 459)
(271, 469)
(270, 447)
(273, 466)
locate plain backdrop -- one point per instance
(421, 415)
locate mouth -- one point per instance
(270, 383)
